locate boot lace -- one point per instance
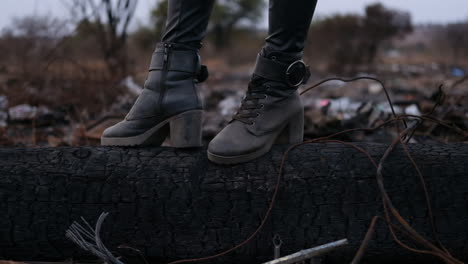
(251, 103)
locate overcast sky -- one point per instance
(422, 11)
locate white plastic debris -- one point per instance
(385, 107)
(412, 110)
(3, 102)
(131, 85)
(375, 88)
(27, 112)
(3, 119)
(22, 112)
(343, 108)
(229, 105)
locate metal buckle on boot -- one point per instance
(297, 73)
(293, 74)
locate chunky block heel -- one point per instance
(293, 133)
(186, 129)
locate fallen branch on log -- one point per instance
(307, 254)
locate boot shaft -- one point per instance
(172, 83)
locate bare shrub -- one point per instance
(350, 42)
(107, 21)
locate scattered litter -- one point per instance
(375, 88)
(3, 102)
(457, 72)
(22, 112)
(3, 119)
(229, 105)
(131, 85)
(25, 112)
(329, 109)
(412, 110)
(343, 108)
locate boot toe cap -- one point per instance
(233, 142)
(223, 147)
(122, 129)
(113, 131)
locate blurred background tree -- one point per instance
(27, 42)
(456, 36)
(381, 24)
(147, 36)
(226, 16)
(108, 21)
(350, 41)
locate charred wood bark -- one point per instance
(173, 204)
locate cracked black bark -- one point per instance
(174, 204)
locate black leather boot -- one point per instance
(169, 104)
(271, 112)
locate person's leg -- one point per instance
(169, 102)
(272, 110)
(289, 23)
(187, 21)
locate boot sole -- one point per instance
(229, 160)
(183, 129)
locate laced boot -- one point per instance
(271, 112)
(169, 104)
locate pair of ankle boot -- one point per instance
(170, 106)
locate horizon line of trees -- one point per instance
(101, 30)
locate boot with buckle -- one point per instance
(271, 112)
(169, 105)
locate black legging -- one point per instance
(289, 22)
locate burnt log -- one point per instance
(173, 204)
